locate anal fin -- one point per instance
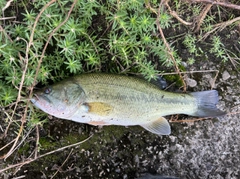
(160, 126)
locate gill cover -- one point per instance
(60, 100)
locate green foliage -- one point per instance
(165, 20)
(190, 42)
(218, 48)
(191, 61)
(7, 94)
(73, 65)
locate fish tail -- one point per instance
(207, 101)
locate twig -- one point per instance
(9, 124)
(202, 16)
(36, 21)
(187, 72)
(174, 14)
(13, 149)
(62, 164)
(168, 47)
(6, 146)
(213, 2)
(6, 18)
(2, 30)
(7, 5)
(23, 176)
(37, 141)
(43, 155)
(214, 79)
(220, 26)
(91, 41)
(234, 62)
(189, 120)
(14, 144)
(148, 6)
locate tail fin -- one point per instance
(207, 101)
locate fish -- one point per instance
(111, 99)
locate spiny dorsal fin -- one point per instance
(159, 126)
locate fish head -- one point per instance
(60, 100)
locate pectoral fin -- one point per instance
(159, 126)
(99, 108)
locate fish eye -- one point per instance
(48, 90)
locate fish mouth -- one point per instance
(34, 99)
(39, 98)
(38, 101)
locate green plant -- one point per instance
(207, 25)
(191, 61)
(190, 42)
(7, 94)
(218, 48)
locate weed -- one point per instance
(190, 42)
(218, 48)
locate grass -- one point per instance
(50, 40)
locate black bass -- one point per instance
(107, 99)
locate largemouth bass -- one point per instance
(107, 99)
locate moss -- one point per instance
(23, 150)
(174, 79)
(46, 143)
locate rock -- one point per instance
(191, 82)
(225, 75)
